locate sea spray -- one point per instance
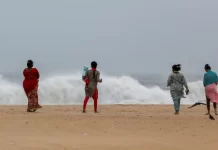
(69, 90)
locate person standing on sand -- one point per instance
(176, 81)
(30, 85)
(210, 83)
(93, 77)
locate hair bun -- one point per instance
(207, 66)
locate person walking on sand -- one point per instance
(210, 83)
(30, 85)
(177, 81)
(91, 90)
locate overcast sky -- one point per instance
(123, 36)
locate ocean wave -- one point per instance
(69, 90)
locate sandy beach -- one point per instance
(118, 127)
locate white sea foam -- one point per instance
(69, 89)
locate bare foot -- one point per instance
(96, 112)
(176, 113)
(207, 114)
(84, 111)
(31, 110)
(39, 106)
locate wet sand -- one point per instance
(116, 127)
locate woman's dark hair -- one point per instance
(176, 67)
(207, 67)
(94, 66)
(29, 64)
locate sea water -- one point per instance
(68, 89)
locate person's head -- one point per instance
(94, 64)
(207, 67)
(176, 68)
(29, 64)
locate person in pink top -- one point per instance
(210, 83)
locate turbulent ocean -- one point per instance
(68, 89)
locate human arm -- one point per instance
(86, 80)
(204, 80)
(169, 81)
(37, 74)
(24, 72)
(98, 77)
(216, 80)
(184, 82)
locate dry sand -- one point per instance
(118, 127)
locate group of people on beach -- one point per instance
(91, 77)
(31, 80)
(177, 82)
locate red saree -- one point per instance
(30, 85)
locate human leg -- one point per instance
(30, 104)
(208, 106)
(179, 102)
(35, 98)
(212, 96)
(176, 105)
(32, 101)
(95, 98)
(85, 103)
(215, 108)
(95, 105)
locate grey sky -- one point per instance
(124, 36)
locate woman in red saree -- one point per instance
(30, 85)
